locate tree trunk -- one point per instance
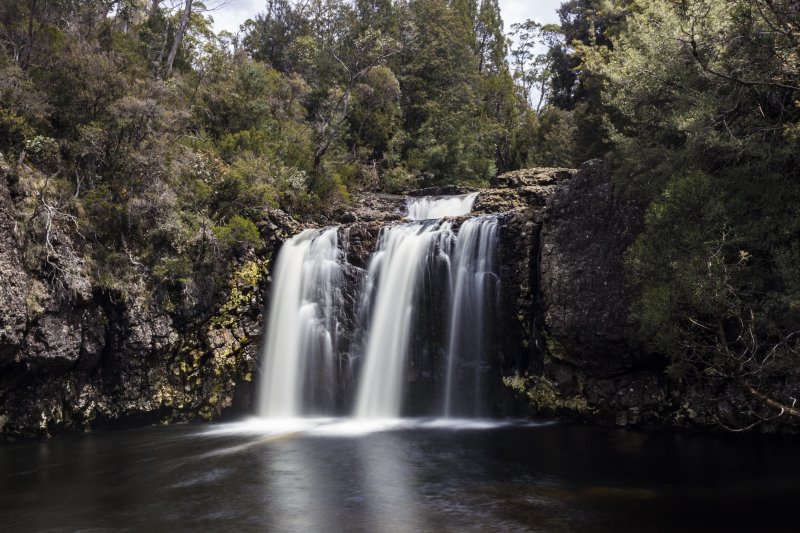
(176, 43)
(154, 8)
(32, 6)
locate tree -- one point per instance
(491, 43)
(357, 59)
(449, 134)
(176, 41)
(533, 60)
(273, 35)
(585, 25)
(702, 99)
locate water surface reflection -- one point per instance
(408, 475)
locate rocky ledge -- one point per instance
(74, 356)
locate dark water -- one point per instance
(424, 477)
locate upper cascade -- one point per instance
(433, 207)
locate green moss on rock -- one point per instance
(207, 366)
(543, 396)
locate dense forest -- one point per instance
(159, 145)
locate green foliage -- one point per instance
(680, 260)
(238, 234)
(376, 115)
(564, 79)
(449, 136)
(44, 152)
(543, 396)
(243, 142)
(703, 131)
(397, 180)
(176, 269)
(273, 35)
(162, 170)
(13, 131)
(555, 142)
(21, 100)
(247, 187)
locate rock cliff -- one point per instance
(74, 355)
(593, 365)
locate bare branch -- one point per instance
(790, 410)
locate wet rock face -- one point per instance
(585, 300)
(592, 366)
(371, 207)
(447, 190)
(117, 360)
(359, 240)
(519, 204)
(532, 177)
(58, 342)
(74, 356)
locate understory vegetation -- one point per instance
(697, 105)
(164, 146)
(160, 147)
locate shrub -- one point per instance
(239, 234)
(396, 180)
(13, 131)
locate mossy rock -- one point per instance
(543, 396)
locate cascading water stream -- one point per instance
(403, 254)
(436, 207)
(299, 367)
(301, 374)
(474, 290)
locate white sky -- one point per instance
(544, 11)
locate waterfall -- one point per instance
(474, 291)
(434, 207)
(403, 254)
(418, 267)
(299, 366)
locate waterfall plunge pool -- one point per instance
(329, 475)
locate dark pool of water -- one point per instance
(334, 476)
